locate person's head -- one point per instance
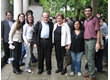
(29, 12)
(20, 20)
(101, 22)
(30, 19)
(45, 17)
(64, 20)
(77, 25)
(59, 18)
(88, 11)
(98, 15)
(21, 17)
(8, 15)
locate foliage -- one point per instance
(103, 8)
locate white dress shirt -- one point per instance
(45, 30)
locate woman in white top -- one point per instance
(15, 41)
(28, 29)
(61, 39)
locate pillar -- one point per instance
(5, 6)
(25, 5)
(18, 8)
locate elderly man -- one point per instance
(43, 42)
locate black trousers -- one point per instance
(60, 53)
(44, 51)
(7, 51)
(16, 53)
(98, 60)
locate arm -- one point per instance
(11, 33)
(68, 37)
(2, 31)
(35, 35)
(97, 46)
(24, 34)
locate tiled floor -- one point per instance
(7, 74)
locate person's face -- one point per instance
(88, 12)
(9, 16)
(76, 25)
(45, 17)
(101, 22)
(30, 18)
(21, 18)
(59, 20)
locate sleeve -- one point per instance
(97, 25)
(101, 40)
(24, 33)
(68, 35)
(12, 32)
(35, 33)
(2, 29)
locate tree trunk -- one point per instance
(94, 7)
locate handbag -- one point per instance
(67, 59)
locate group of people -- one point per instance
(45, 34)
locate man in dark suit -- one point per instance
(5, 29)
(43, 42)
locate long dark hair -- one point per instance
(20, 24)
(81, 25)
(27, 18)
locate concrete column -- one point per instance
(25, 5)
(5, 6)
(94, 7)
(18, 8)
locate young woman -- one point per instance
(61, 38)
(15, 39)
(28, 29)
(77, 48)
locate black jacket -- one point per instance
(37, 33)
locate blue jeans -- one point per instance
(76, 61)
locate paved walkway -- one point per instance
(7, 74)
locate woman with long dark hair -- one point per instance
(28, 29)
(15, 39)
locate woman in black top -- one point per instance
(77, 48)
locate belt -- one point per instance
(44, 38)
(90, 39)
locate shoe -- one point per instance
(79, 74)
(17, 72)
(71, 73)
(20, 70)
(48, 72)
(90, 79)
(22, 64)
(86, 75)
(40, 72)
(106, 65)
(58, 70)
(102, 71)
(29, 71)
(63, 71)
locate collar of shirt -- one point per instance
(90, 18)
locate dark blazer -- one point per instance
(5, 29)
(37, 33)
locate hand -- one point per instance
(102, 47)
(11, 46)
(1, 39)
(35, 46)
(97, 46)
(68, 47)
(27, 43)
